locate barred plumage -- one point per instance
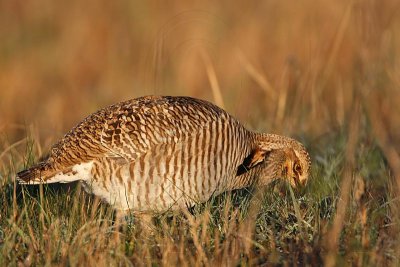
(158, 153)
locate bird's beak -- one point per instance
(294, 181)
(291, 176)
(303, 182)
(297, 182)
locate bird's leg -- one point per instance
(145, 223)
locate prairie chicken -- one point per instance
(157, 153)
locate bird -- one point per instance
(160, 153)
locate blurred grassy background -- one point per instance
(281, 65)
(302, 68)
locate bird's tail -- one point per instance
(38, 174)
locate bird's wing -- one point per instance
(135, 128)
(128, 129)
(125, 131)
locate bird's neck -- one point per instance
(244, 177)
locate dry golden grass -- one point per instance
(327, 72)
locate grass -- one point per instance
(62, 225)
(326, 72)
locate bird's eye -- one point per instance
(297, 168)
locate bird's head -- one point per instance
(280, 157)
(287, 164)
